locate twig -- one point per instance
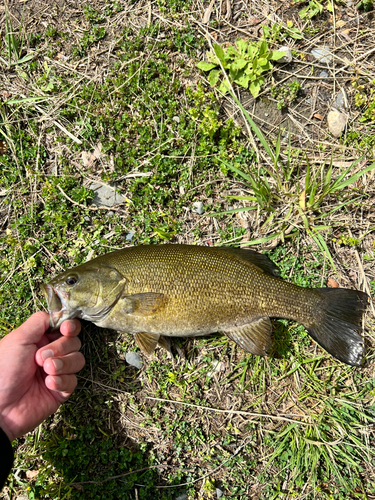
(234, 412)
(58, 125)
(117, 477)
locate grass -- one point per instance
(123, 82)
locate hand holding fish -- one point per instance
(37, 372)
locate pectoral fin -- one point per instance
(147, 342)
(255, 337)
(143, 303)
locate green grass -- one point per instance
(294, 424)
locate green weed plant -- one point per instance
(244, 63)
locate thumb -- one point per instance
(32, 331)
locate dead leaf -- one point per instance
(302, 200)
(340, 24)
(30, 474)
(318, 116)
(98, 150)
(331, 283)
(253, 21)
(208, 11)
(89, 158)
(342, 164)
(345, 34)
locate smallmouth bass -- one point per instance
(160, 291)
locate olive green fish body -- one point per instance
(180, 290)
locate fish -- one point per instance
(173, 290)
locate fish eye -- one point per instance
(71, 280)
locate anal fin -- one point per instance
(165, 343)
(254, 337)
(147, 342)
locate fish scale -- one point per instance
(156, 291)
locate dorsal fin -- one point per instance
(255, 258)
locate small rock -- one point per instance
(134, 359)
(87, 218)
(217, 366)
(288, 54)
(105, 195)
(129, 235)
(110, 214)
(323, 74)
(176, 119)
(198, 207)
(182, 497)
(336, 122)
(322, 54)
(340, 101)
(219, 493)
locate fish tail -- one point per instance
(339, 320)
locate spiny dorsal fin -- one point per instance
(143, 303)
(254, 337)
(255, 258)
(147, 342)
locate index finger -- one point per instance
(70, 328)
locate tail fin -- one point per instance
(337, 328)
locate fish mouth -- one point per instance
(58, 308)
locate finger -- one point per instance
(58, 348)
(53, 336)
(66, 365)
(62, 385)
(70, 328)
(32, 331)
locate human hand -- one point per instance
(37, 372)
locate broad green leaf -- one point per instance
(220, 53)
(233, 72)
(267, 67)
(254, 88)
(213, 77)
(211, 58)
(224, 87)
(232, 53)
(277, 54)
(262, 61)
(295, 33)
(205, 66)
(252, 50)
(240, 63)
(242, 45)
(263, 49)
(243, 81)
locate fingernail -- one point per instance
(58, 381)
(73, 326)
(48, 353)
(58, 364)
